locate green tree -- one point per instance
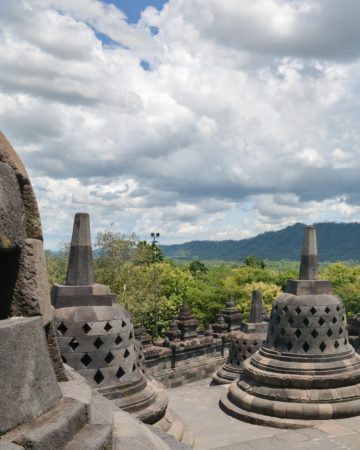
(241, 282)
(207, 294)
(253, 261)
(56, 267)
(346, 284)
(148, 253)
(197, 268)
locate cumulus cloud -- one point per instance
(322, 29)
(231, 119)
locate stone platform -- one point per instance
(197, 404)
(85, 420)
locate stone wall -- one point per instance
(186, 361)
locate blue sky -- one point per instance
(133, 8)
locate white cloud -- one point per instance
(342, 160)
(246, 121)
(310, 157)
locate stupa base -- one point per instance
(144, 399)
(226, 375)
(260, 419)
(282, 414)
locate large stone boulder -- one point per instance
(24, 289)
(10, 158)
(31, 293)
(12, 224)
(28, 383)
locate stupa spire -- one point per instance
(256, 307)
(309, 264)
(80, 270)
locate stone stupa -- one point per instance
(96, 335)
(307, 371)
(30, 365)
(244, 343)
(232, 316)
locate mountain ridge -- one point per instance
(336, 242)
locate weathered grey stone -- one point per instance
(220, 326)
(186, 364)
(10, 446)
(92, 437)
(68, 296)
(12, 215)
(9, 157)
(130, 434)
(232, 316)
(55, 352)
(308, 264)
(101, 410)
(12, 237)
(31, 294)
(172, 442)
(177, 430)
(55, 428)
(80, 268)
(187, 323)
(24, 289)
(244, 343)
(256, 307)
(76, 388)
(173, 334)
(28, 384)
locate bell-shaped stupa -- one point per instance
(244, 343)
(96, 335)
(307, 370)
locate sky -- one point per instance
(134, 8)
(201, 119)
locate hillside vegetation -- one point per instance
(336, 242)
(139, 275)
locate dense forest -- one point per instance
(336, 242)
(139, 275)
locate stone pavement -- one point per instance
(197, 405)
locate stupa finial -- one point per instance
(309, 265)
(80, 267)
(256, 307)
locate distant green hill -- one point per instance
(336, 242)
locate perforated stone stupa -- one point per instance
(96, 336)
(306, 371)
(244, 343)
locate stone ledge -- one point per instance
(54, 429)
(34, 389)
(260, 419)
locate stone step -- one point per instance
(54, 429)
(155, 411)
(168, 440)
(172, 420)
(188, 438)
(101, 411)
(92, 437)
(176, 430)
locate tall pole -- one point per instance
(154, 242)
